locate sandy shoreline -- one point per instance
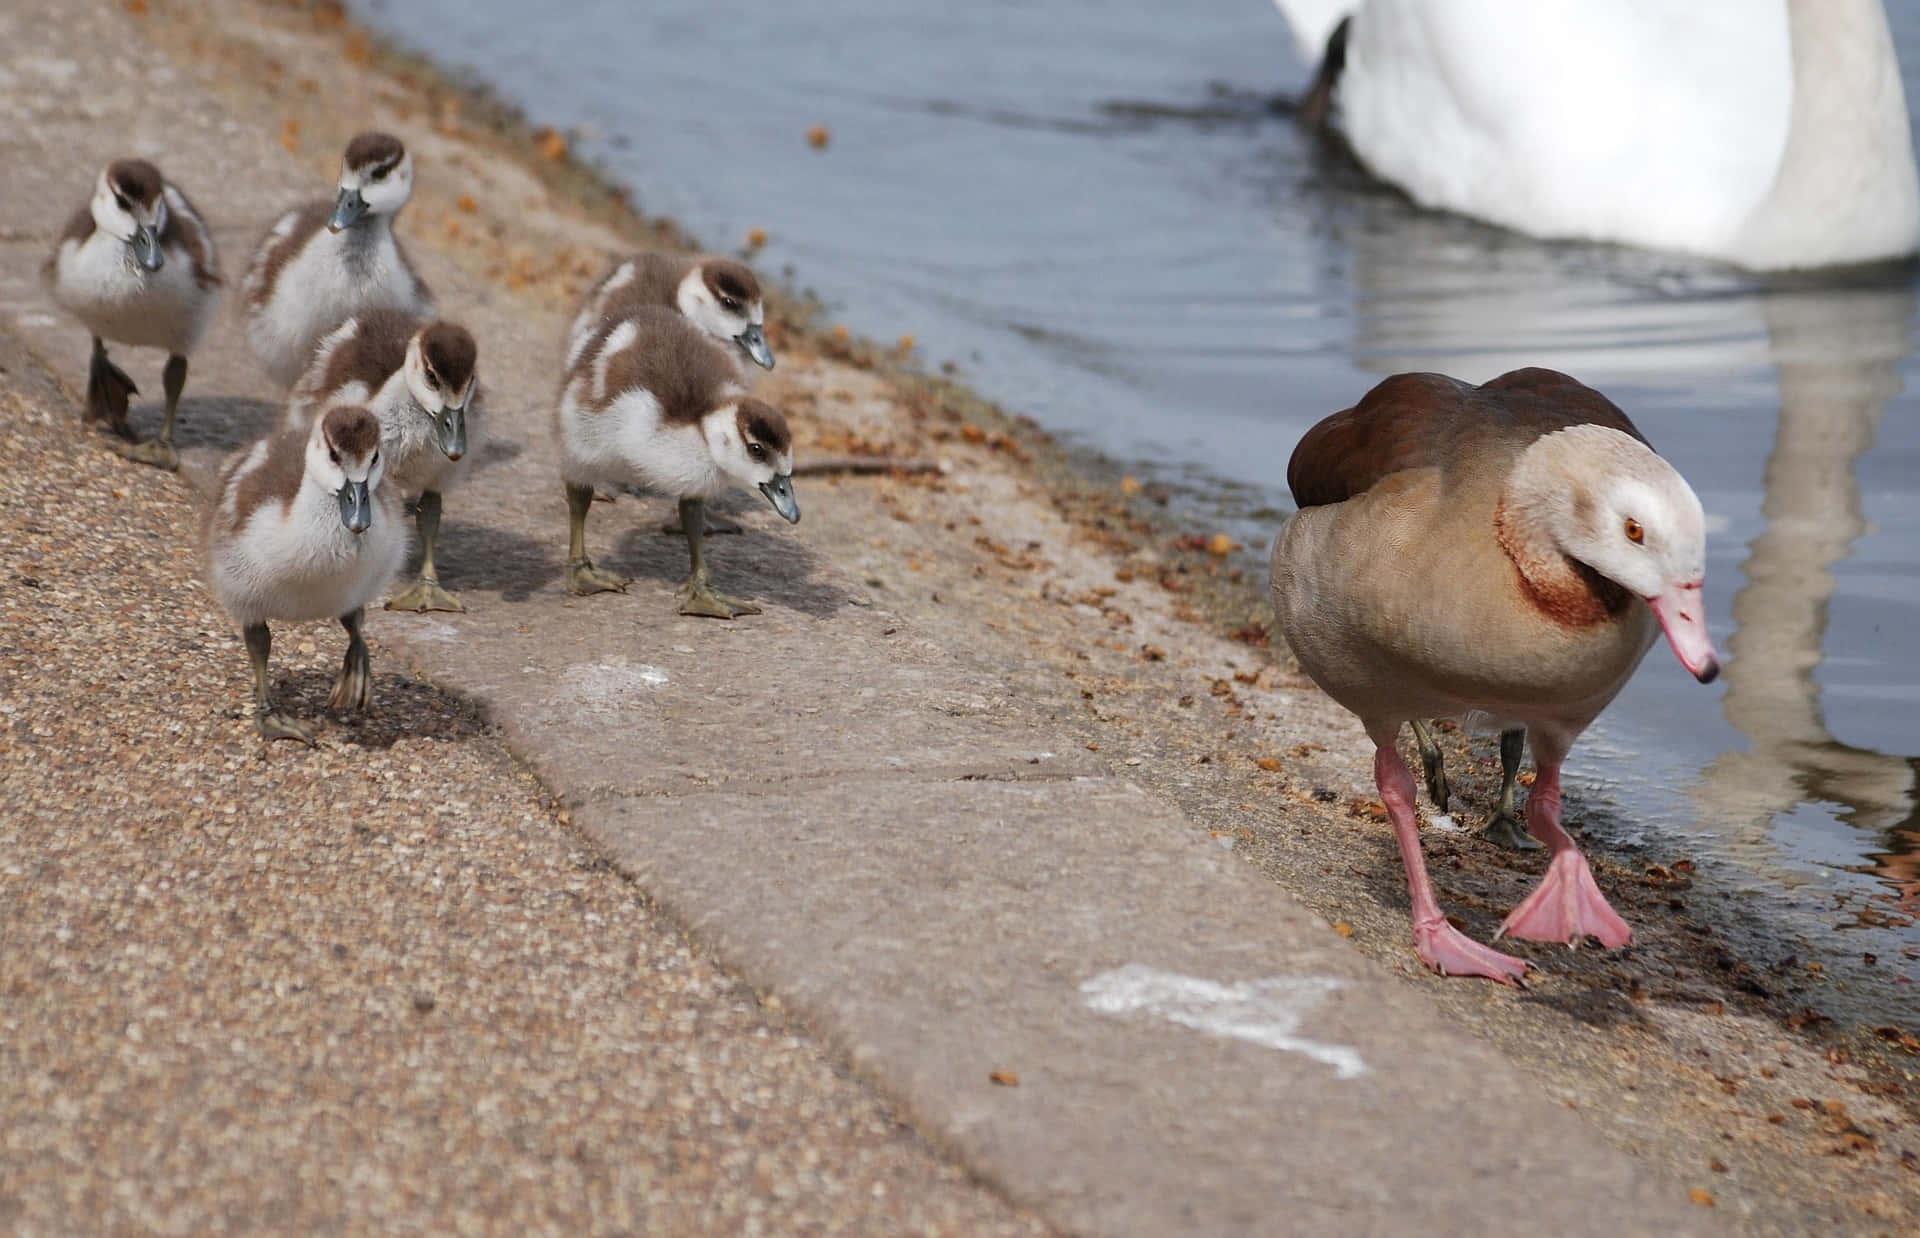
(1059, 589)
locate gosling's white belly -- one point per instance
(98, 282)
(303, 563)
(628, 442)
(318, 289)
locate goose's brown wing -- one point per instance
(1414, 421)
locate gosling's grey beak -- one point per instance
(356, 506)
(450, 431)
(779, 492)
(753, 341)
(347, 210)
(146, 247)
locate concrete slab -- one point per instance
(1195, 1053)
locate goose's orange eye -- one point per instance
(1635, 533)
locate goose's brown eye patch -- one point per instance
(1635, 533)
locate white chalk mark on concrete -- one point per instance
(435, 630)
(603, 686)
(1266, 1012)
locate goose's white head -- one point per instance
(343, 459)
(1612, 504)
(750, 441)
(441, 369)
(722, 297)
(130, 202)
(376, 178)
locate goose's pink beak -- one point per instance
(1683, 617)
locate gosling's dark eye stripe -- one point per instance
(384, 168)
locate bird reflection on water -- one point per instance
(1837, 352)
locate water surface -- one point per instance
(1093, 210)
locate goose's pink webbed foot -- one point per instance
(1450, 952)
(1567, 906)
(1440, 946)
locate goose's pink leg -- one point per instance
(1567, 906)
(1439, 945)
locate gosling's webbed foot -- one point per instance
(157, 452)
(1433, 763)
(583, 578)
(272, 724)
(698, 598)
(712, 524)
(353, 690)
(109, 392)
(423, 595)
(1437, 789)
(1502, 830)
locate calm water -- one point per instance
(1089, 207)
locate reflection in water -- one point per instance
(1838, 353)
(1439, 292)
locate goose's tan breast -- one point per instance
(1401, 602)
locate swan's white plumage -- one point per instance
(1768, 133)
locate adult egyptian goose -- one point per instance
(303, 529)
(136, 266)
(322, 262)
(651, 400)
(1772, 135)
(1508, 551)
(420, 379)
(720, 296)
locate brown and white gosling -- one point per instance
(136, 266)
(322, 262)
(1507, 552)
(719, 295)
(303, 528)
(420, 379)
(651, 400)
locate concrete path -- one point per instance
(1056, 974)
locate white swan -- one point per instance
(1768, 133)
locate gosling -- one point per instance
(304, 529)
